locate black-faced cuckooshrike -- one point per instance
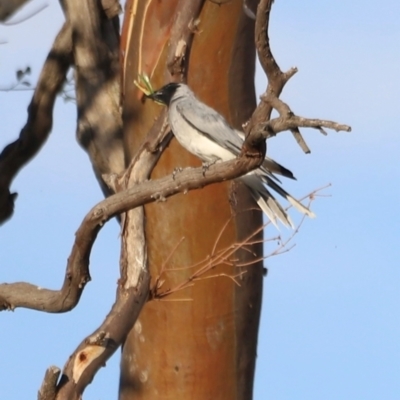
(206, 134)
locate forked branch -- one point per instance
(77, 273)
(276, 82)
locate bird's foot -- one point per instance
(176, 171)
(207, 165)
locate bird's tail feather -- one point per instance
(295, 203)
(272, 166)
(267, 202)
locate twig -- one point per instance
(276, 82)
(289, 121)
(222, 256)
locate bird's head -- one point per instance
(165, 94)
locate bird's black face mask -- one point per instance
(164, 95)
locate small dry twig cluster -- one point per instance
(226, 256)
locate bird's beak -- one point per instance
(157, 97)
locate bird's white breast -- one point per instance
(194, 141)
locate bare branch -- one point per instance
(40, 119)
(112, 8)
(5, 14)
(97, 348)
(48, 389)
(97, 82)
(289, 121)
(277, 79)
(181, 38)
(300, 140)
(9, 7)
(77, 274)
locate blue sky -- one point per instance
(330, 323)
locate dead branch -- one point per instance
(40, 119)
(112, 8)
(134, 283)
(99, 132)
(224, 256)
(9, 7)
(77, 273)
(276, 82)
(86, 360)
(289, 121)
(133, 288)
(97, 348)
(4, 15)
(276, 78)
(181, 38)
(97, 83)
(48, 389)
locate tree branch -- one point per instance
(97, 83)
(77, 273)
(9, 7)
(40, 119)
(97, 348)
(276, 78)
(181, 38)
(289, 121)
(48, 389)
(276, 82)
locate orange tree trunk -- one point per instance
(199, 342)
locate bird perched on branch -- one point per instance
(206, 134)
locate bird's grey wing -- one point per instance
(209, 123)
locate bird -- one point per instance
(205, 133)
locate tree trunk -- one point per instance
(199, 342)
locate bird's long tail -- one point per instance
(267, 202)
(273, 167)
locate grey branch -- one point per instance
(97, 82)
(48, 389)
(77, 274)
(39, 121)
(181, 38)
(288, 121)
(260, 120)
(276, 78)
(9, 7)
